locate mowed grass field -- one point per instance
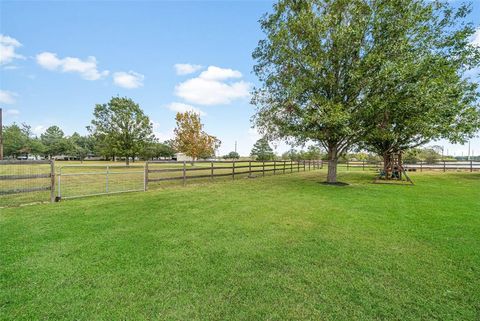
(275, 248)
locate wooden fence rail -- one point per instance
(237, 168)
(9, 176)
(438, 165)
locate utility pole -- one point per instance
(235, 146)
(1, 135)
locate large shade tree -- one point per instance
(321, 62)
(122, 127)
(423, 94)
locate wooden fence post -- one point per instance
(444, 167)
(421, 166)
(263, 169)
(145, 177)
(363, 165)
(249, 168)
(284, 166)
(304, 166)
(233, 170)
(211, 169)
(184, 173)
(106, 180)
(291, 166)
(274, 167)
(471, 165)
(52, 181)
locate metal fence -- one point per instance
(39, 181)
(88, 180)
(26, 182)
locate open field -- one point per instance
(277, 248)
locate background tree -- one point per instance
(15, 140)
(232, 155)
(121, 127)
(262, 151)
(80, 146)
(191, 139)
(54, 141)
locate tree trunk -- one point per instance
(386, 161)
(332, 165)
(127, 160)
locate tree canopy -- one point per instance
(323, 64)
(191, 139)
(122, 127)
(262, 151)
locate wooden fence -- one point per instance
(212, 169)
(438, 165)
(28, 177)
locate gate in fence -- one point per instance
(26, 181)
(87, 180)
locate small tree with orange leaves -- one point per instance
(191, 139)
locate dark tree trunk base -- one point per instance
(335, 183)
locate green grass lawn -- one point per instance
(273, 248)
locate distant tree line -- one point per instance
(19, 141)
(119, 130)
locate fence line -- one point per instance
(223, 171)
(442, 165)
(18, 178)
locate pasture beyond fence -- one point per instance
(39, 181)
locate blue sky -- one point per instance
(62, 58)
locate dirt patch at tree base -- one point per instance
(335, 184)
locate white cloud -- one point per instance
(185, 69)
(86, 68)
(181, 108)
(217, 73)
(38, 130)
(8, 45)
(253, 134)
(476, 38)
(211, 88)
(7, 97)
(162, 136)
(11, 112)
(128, 80)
